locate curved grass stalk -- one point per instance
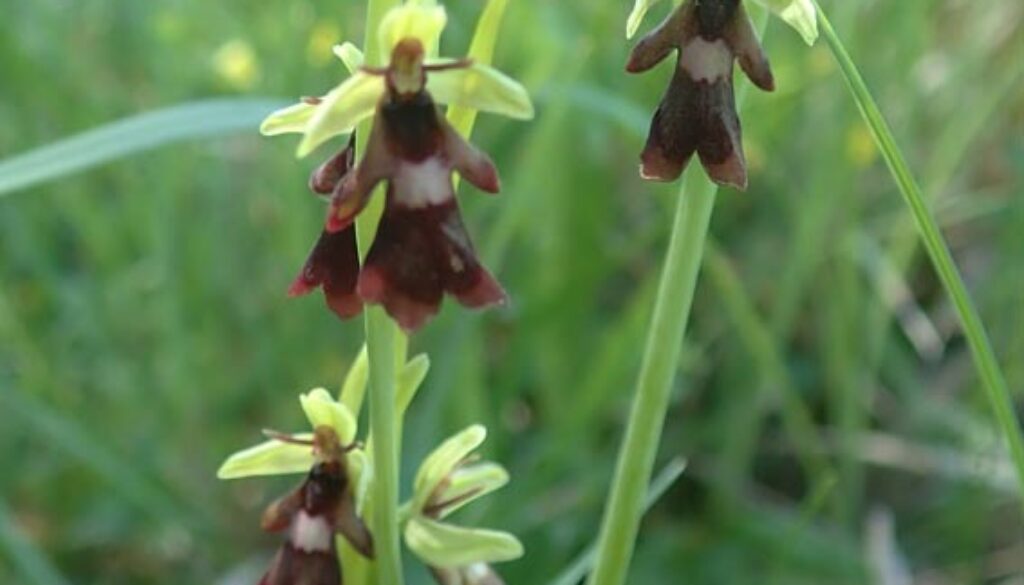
(985, 361)
(130, 136)
(664, 343)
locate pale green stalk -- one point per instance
(383, 342)
(984, 357)
(661, 355)
(654, 386)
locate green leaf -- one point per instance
(360, 471)
(132, 135)
(269, 458)
(637, 16)
(409, 381)
(445, 545)
(799, 14)
(342, 108)
(350, 55)
(290, 120)
(443, 460)
(321, 409)
(423, 20)
(353, 390)
(482, 88)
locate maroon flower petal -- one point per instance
(353, 193)
(419, 254)
(472, 163)
(743, 41)
(333, 265)
(696, 117)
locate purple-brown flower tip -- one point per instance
(698, 112)
(421, 250)
(420, 254)
(333, 265)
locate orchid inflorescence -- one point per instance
(339, 487)
(698, 115)
(421, 250)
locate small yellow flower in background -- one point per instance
(860, 146)
(321, 39)
(236, 65)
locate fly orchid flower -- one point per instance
(698, 112)
(333, 264)
(325, 504)
(421, 250)
(449, 478)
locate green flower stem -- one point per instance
(660, 360)
(664, 343)
(981, 348)
(385, 347)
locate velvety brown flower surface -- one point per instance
(421, 250)
(321, 507)
(698, 111)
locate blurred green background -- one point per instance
(145, 333)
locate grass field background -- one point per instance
(145, 333)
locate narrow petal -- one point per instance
(674, 32)
(333, 265)
(743, 41)
(269, 458)
(352, 194)
(322, 409)
(341, 109)
(350, 55)
(290, 120)
(472, 163)
(467, 484)
(447, 546)
(482, 88)
(346, 521)
(418, 20)
(443, 460)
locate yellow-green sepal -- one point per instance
(483, 88)
(447, 546)
(269, 458)
(341, 109)
(442, 461)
